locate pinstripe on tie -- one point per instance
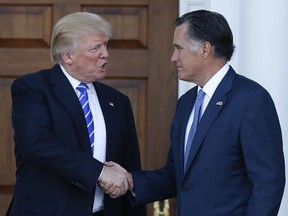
(196, 119)
(83, 98)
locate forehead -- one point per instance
(92, 39)
(95, 36)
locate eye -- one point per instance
(178, 48)
(95, 48)
(105, 44)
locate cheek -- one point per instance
(79, 59)
(88, 57)
(93, 58)
(190, 61)
(187, 62)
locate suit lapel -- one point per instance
(216, 104)
(65, 94)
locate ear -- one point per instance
(66, 57)
(206, 49)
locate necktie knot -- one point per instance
(82, 87)
(198, 103)
(200, 96)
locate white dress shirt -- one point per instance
(99, 132)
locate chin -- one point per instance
(180, 77)
(101, 76)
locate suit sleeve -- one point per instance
(153, 185)
(263, 154)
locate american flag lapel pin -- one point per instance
(219, 103)
(111, 104)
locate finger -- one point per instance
(116, 193)
(126, 186)
(123, 188)
(121, 192)
(115, 165)
(112, 190)
(130, 181)
(106, 186)
(101, 185)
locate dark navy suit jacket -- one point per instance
(236, 163)
(56, 172)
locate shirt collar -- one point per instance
(213, 83)
(74, 82)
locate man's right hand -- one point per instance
(115, 180)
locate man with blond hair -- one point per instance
(67, 124)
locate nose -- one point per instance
(174, 56)
(104, 52)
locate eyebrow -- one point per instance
(97, 43)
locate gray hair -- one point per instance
(212, 27)
(194, 44)
(69, 30)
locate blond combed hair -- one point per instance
(70, 30)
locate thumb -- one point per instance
(130, 182)
(109, 163)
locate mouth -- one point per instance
(103, 66)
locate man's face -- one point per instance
(89, 58)
(187, 60)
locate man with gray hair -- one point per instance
(226, 154)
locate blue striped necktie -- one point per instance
(196, 119)
(83, 98)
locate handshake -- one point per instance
(115, 180)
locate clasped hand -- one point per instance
(115, 180)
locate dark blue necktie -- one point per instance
(83, 98)
(196, 118)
